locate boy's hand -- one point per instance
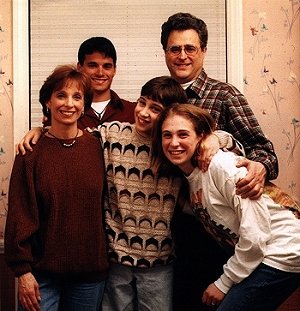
(252, 185)
(29, 139)
(208, 147)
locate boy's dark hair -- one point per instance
(60, 76)
(164, 90)
(184, 21)
(97, 44)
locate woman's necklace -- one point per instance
(62, 140)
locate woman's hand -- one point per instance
(30, 137)
(208, 147)
(28, 292)
(212, 296)
(252, 185)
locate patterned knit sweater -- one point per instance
(140, 205)
(54, 222)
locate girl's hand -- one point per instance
(212, 296)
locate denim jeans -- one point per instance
(76, 296)
(144, 289)
(263, 290)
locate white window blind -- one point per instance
(58, 27)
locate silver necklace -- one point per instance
(99, 114)
(61, 141)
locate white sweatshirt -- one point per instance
(259, 230)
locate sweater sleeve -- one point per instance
(22, 219)
(229, 143)
(254, 233)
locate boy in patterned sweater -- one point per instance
(139, 207)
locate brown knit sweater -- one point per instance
(55, 218)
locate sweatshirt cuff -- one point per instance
(224, 283)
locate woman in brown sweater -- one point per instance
(54, 239)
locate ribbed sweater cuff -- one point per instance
(22, 269)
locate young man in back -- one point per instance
(97, 57)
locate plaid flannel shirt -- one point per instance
(233, 114)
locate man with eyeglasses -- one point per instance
(184, 40)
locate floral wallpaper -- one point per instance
(272, 80)
(6, 108)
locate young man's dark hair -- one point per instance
(97, 44)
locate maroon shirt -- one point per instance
(118, 109)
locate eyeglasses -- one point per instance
(175, 50)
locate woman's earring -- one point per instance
(82, 113)
(48, 110)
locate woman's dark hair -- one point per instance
(203, 124)
(184, 21)
(164, 90)
(58, 79)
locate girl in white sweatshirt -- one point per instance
(263, 235)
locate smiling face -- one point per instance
(179, 141)
(66, 104)
(101, 70)
(145, 114)
(184, 67)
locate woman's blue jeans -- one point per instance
(76, 296)
(265, 289)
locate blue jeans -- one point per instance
(265, 289)
(147, 289)
(76, 296)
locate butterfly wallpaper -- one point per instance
(6, 108)
(272, 80)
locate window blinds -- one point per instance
(58, 27)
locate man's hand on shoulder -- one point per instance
(252, 185)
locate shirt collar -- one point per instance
(198, 86)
